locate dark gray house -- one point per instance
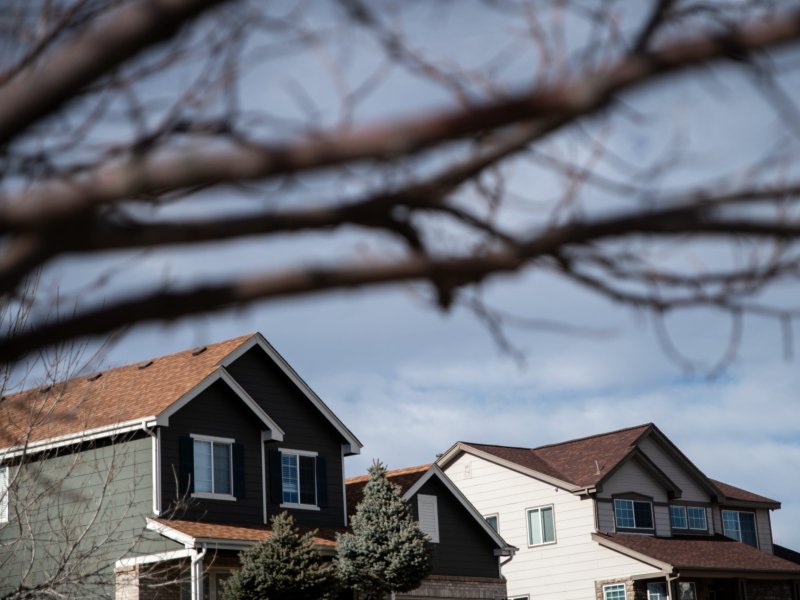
(145, 481)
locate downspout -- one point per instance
(155, 435)
(196, 573)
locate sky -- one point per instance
(410, 380)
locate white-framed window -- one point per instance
(493, 521)
(4, 485)
(688, 517)
(299, 478)
(633, 514)
(428, 510)
(686, 590)
(614, 591)
(541, 525)
(740, 525)
(213, 585)
(213, 467)
(657, 590)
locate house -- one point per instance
(166, 468)
(623, 515)
(466, 550)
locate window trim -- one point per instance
(664, 583)
(497, 520)
(298, 454)
(685, 508)
(738, 512)
(689, 520)
(648, 501)
(690, 583)
(528, 524)
(5, 494)
(212, 439)
(616, 585)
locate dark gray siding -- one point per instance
(82, 509)
(217, 411)
(464, 548)
(304, 426)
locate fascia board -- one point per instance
(80, 437)
(462, 447)
(435, 471)
(221, 374)
(258, 340)
(171, 533)
(648, 560)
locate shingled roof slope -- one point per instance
(403, 478)
(118, 395)
(716, 553)
(735, 493)
(242, 533)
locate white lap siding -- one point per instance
(564, 570)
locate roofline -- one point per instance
(79, 437)
(636, 453)
(596, 435)
(458, 447)
(435, 471)
(354, 445)
(220, 373)
(648, 560)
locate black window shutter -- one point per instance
(238, 470)
(186, 465)
(275, 478)
(322, 483)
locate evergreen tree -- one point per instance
(386, 551)
(284, 566)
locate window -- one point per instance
(615, 591)
(686, 590)
(541, 528)
(428, 516)
(740, 526)
(213, 468)
(633, 514)
(4, 494)
(493, 521)
(298, 476)
(213, 585)
(657, 591)
(688, 517)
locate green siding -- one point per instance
(72, 516)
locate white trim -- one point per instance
(436, 471)
(211, 438)
(528, 512)
(158, 470)
(299, 506)
(5, 495)
(459, 447)
(80, 437)
(154, 439)
(616, 585)
(170, 533)
(220, 373)
(298, 452)
(264, 478)
(344, 490)
(152, 558)
(211, 496)
(354, 445)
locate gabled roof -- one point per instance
(136, 396)
(584, 463)
(410, 480)
(699, 553)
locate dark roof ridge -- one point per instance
(596, 435)
(496, 445)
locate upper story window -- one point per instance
(493, 521)
(633, 514)
(213, 466)
(740, 525)
(4, 494)
(299, 477)
(688, 517)
(541, 526)
(428, 510)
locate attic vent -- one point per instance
(597, 466)
(199, 350)
(145, 364)
(94, 376)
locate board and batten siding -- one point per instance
(564, 570)
(100, 495)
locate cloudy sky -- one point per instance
(410, 380)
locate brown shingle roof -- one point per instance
(716, 553)
(241, 533)
(116, 396)
(403, 478)
(735, 493)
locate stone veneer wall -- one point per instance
(629, 587)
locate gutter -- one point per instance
(196, 573)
